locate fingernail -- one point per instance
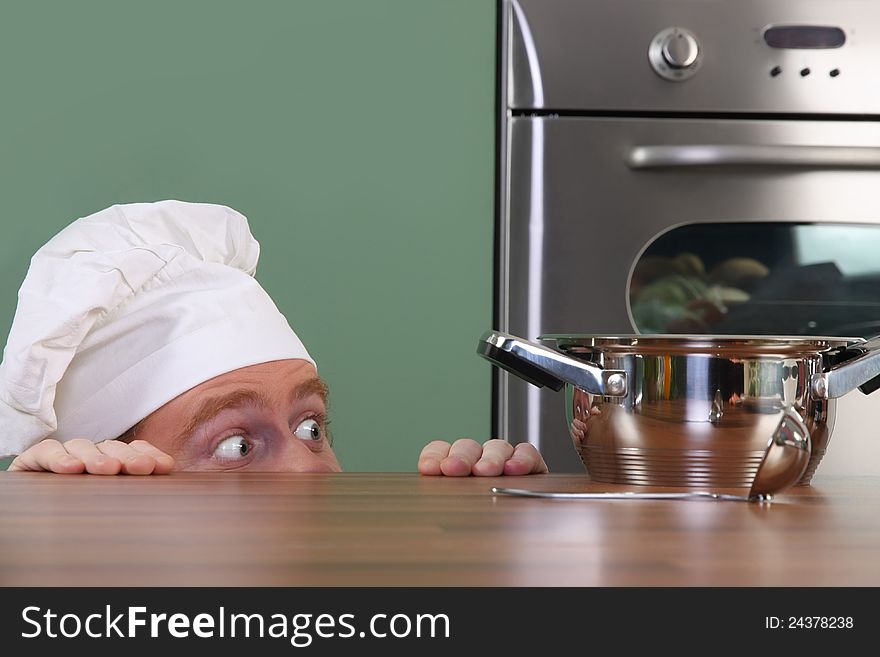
(69, 462)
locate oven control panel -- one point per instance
(675, 52)
(755, 56)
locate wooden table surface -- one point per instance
(402, 530)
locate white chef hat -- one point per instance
(124, 310)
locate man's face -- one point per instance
(269, 417)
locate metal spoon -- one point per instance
(784, 462)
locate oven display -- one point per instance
(812, 37)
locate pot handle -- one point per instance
(862, 372)
(541, 366)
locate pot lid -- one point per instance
(742, 345)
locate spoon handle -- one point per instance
(696, 495)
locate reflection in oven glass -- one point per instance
(760, 279)
(677, 294)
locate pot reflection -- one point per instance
(582, 413)
(693, 420)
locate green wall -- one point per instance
(356, 136)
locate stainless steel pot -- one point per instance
(689, 410)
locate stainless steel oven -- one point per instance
(685, 166)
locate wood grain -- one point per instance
(405, 530)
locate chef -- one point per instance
(142, 343)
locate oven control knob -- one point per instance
(675, 54)
(681, 50)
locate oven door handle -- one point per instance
(715, 155)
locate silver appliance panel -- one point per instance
(576, 55)
(580, 213)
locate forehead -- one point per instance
(279, 376)
(269, 384)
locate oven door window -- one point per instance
(759, 279)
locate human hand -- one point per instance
(467, 457)
(83, 456)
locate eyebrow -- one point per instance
(212, 407)
(313, 386)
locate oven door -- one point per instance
(596, 207)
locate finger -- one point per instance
(462, 456)
(47, 456)
(95, 461)
(525, 460)
(495, 454)
(164, 462)
(432, 454)
(132, 461)
(577, 432)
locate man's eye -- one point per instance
(309, 430)
(234, 447)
